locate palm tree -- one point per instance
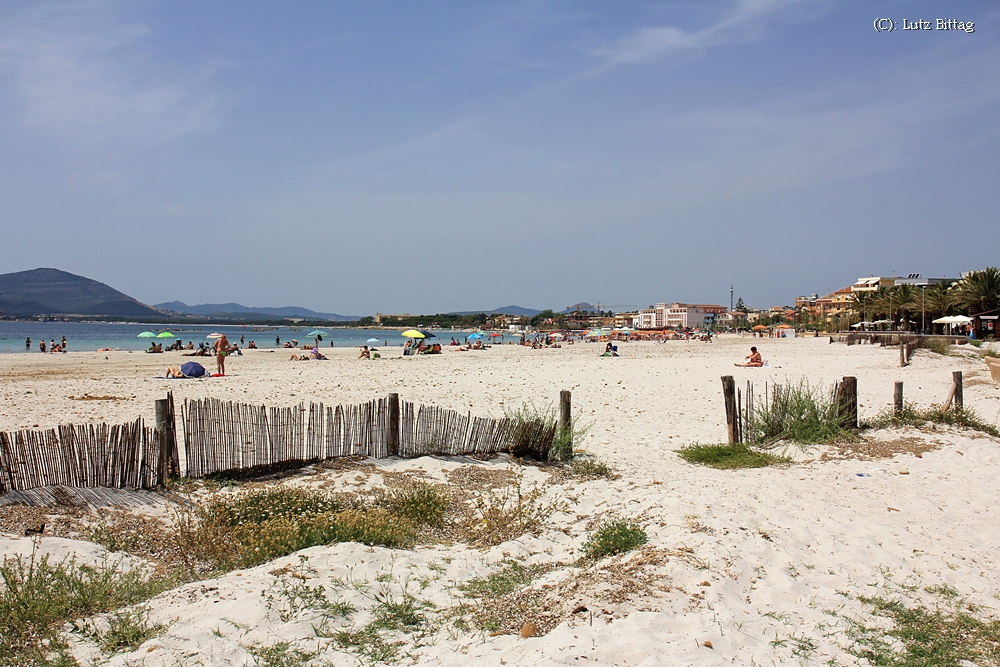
(980, 291)
(904, 298)
(939, 299)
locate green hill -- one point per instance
(54, 292)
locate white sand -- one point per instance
(780, 547)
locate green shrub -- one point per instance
(613, 537)
(264, 505)
(725, 457)
(938, 345)
(797, 412)
(591, 467)
(420, 503)
(911, 415)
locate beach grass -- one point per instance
(799, 412)
(912, 415)
(729, 456)
(39, 596)
(948, 635)
(591, 467)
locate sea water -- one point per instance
(87, 337)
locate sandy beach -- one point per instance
(741, 567)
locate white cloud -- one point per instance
(649, 44)
(80, 72)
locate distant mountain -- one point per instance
(230, 310)
(55, 292)
(583, 306)
(505, 310)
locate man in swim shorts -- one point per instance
(221, 350)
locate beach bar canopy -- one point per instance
(953, 319)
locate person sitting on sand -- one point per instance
(753, 359)
(365, 353)
(316, 354)
(252, 346)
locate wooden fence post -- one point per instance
(848, 399)
(729, 394)
(162, 411)
(566, 415)
(956, 380)
(897, 398)
(392, 441)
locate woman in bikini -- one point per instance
(753, 359)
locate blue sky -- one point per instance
(426, 157)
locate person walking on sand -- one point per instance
(221, 350)
(752, 360)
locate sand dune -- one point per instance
(746, 566)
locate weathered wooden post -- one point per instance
(956, 380)
(392, 441)
(729, 394)
(161, 410)
(897, 398)
(848, 399)
(566, 415)
(902, 354)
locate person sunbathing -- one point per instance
(365, 353)
(175, 372)
(752, 360)
(299, 357)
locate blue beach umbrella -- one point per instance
(475, 336)
(146, 334)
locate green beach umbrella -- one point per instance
(146, 334)
(317, 332)
(166, 334)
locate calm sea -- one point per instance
(88, 337)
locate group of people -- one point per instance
(52, 348)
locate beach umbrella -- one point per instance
(166, 334)
(953, 319)
(759, 327)
(427, 334)
(474, 336)
(317, 332)
(374, 340)
(214, 335)
(413, 333)
(192, 369)
(146, 334)
(495, 334)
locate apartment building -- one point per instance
(677, 316)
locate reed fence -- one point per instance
(222, 436)
(122, 456)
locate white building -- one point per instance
(677, 316)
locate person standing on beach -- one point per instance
(277, 341)
(64, 343)
(52, 345)
(27, 345)
(41, 346)
(221, 350)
